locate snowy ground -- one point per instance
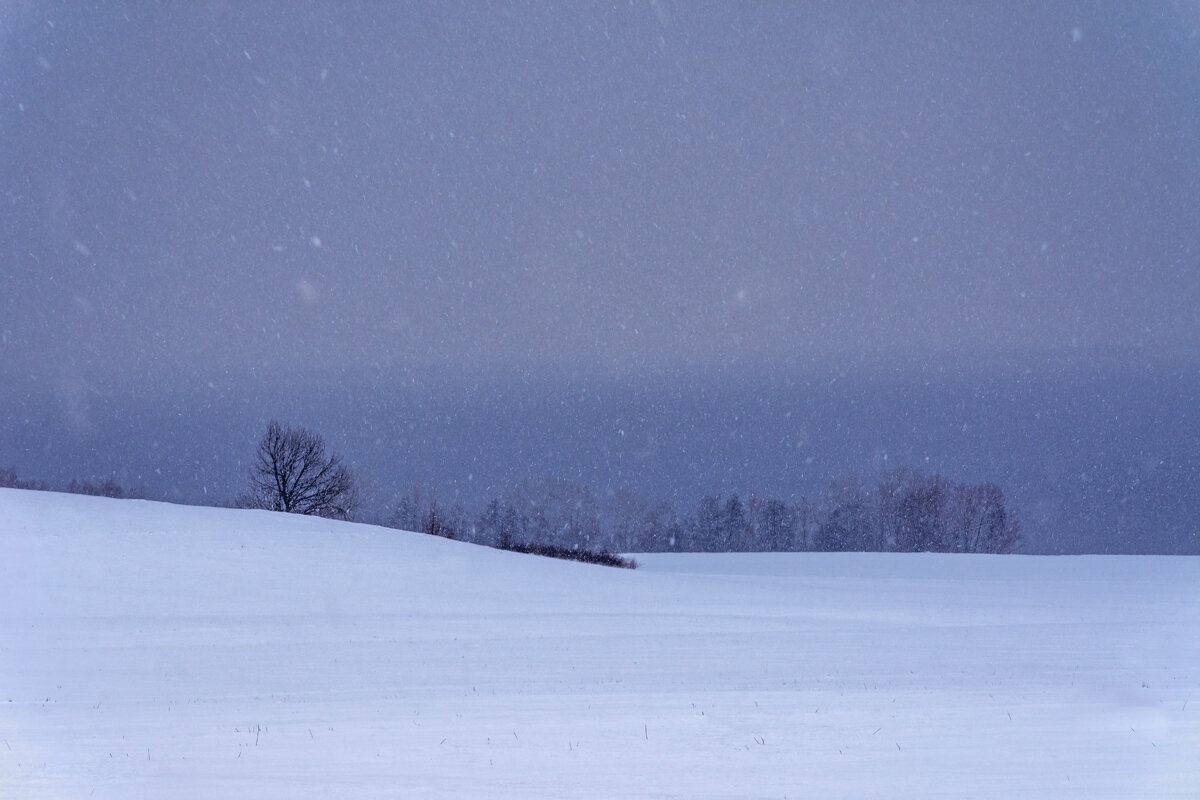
(158, 651)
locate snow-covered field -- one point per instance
(158, 651)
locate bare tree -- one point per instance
(980, 521)
(439, 522)
(501, 525)
(704, 530)
(632, 524)
(411, 509)
(292, 473)
(419, 510)
(773, 523)
(852, 520)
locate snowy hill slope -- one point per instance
(159, 651)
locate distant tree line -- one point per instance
(905, 510)
(108, 487)
(10, 480)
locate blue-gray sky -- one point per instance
(209, 196)
(200, 186)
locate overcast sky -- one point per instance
(194, 191)
(658, 245)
